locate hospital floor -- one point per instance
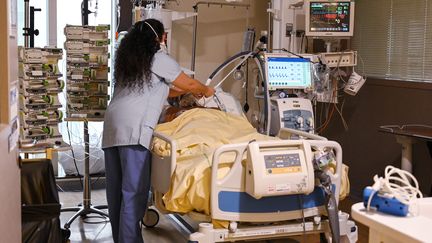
(95, 229)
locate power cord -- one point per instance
(396, 183)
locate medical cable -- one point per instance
(297, 55)
(330, 202)
(267, 103)
(363, 67)
(246, 105)
(301, 43)
(73, 155)
(330, 112)
(396, 183)
(339, 111)
(300, 200)
(86, 155)
(218, 102)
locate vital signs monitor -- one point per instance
(331, 18)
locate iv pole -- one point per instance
(86, 207)
(29, 30)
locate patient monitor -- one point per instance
(277, 168)
(329, 18)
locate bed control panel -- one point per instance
(276, 168)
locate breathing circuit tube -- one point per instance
(260, 63)
(243, 54)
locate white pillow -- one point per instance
(224, 101)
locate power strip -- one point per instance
(339, 59)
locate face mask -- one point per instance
(163, 47)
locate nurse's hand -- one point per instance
(209, 92)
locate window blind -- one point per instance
(394, 38)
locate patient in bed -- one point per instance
(198, 132)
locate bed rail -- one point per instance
(163, 166)
(232, 187)
(286, 133)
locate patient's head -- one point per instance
(178, 106)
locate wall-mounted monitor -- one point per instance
(287, 72)
(326, 18)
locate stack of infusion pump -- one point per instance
(40, 84)
(87, 71)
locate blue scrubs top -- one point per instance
(132, 115)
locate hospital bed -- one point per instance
(246, 202)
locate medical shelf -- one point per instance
(39, 55)
(87, 70)
(79, 32)
(41, 134)
(39, 86)
(31, 71)
(40, 118)
(88, 89)
(85, 48)
(88, 114)
(87, 73)
(80, 103)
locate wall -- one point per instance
(219, 36)
(366, 150)
(10, 190)
(220, 33)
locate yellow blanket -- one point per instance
(198, 133)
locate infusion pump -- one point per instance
(276, 168)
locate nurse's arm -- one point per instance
(191, 85)
(174, 92)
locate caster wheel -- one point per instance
(151, 218)
(65, 234)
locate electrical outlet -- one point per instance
(288, 29)
(341, 59)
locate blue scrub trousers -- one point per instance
(127, 188)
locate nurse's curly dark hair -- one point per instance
(135, 54)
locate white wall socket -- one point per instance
(341, 59)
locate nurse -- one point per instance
(144, 77)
